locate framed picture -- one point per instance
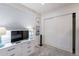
(37, 30)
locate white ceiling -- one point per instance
(45, 8)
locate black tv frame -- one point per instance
(19, 35)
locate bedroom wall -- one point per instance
(13, 18)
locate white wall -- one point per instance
(65, 10)
(12, 18)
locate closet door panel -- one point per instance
(58, 32)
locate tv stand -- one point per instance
(18, 42)
(20, 48)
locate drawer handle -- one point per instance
(12, 55)
(28, 42)
(28, 46)
(29, 51)
(11, 49)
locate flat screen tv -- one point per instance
(19, 35)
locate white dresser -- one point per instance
(24, 48)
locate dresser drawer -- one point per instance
(11, 49)
(13, 54)
(26, 43)
(29, 42)
(29, 52)
(3, 53)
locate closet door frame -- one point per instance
(73, 33)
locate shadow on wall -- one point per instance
(14, 19)
(14, 26)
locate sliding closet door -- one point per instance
(58, 32)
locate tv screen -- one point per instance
(19, 35)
